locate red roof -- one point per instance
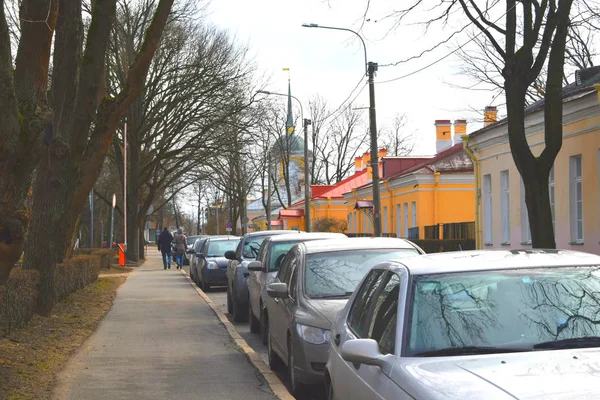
(457, 148)
(291, 213)
(337, 191)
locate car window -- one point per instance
(278, 252)
(382, 327)
(293, 280)
(219, 247)
(252, 247)
(357, 317)
(287, 266)
(336, 273)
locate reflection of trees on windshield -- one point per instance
(505, 308)
(252, 247)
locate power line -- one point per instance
(343, 103)
(447, 55)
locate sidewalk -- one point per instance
(160, 341)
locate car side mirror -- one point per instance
(230, 255)
(362, 351)
(255, 266)
(278, 290)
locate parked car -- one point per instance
(263, 271)
(471, 325)
(211, 263)
(314, 282)
(194, 252)
(190, 245)
(237, 271)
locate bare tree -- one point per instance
(83, 118)
(395, 139)
(532, 36)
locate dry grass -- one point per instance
(31, 357)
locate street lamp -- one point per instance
(112, 218)
(305, 123)
(370, 69)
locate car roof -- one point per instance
(271, 233)
(489, 260)
(223, 238)
(306, 236)
(321, 246)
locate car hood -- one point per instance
(221, 261)
(557, 374)
(327, 309)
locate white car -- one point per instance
(471, 325)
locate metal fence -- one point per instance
(455, 231)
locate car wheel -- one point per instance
(204, 286)
(253, 322)
(264, 326)
(296, 388)
(229, 302)
(239, 314)
(275, 361)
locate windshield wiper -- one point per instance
(467, 350)
(573, 343)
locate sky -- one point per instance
(330, 63)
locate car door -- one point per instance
(341, 371)
(277, 314)
(202, 259)
(254, 280)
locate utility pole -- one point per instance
(306, 122)
(269, 191)
(372, 67)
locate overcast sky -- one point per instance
(331, 63)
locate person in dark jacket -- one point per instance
(164, 245)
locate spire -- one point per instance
(289, 124)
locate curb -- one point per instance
(277, 387)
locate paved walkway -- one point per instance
(161, 341)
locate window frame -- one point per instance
(398, 220)
(405, 220)
(576, 221)
(525, 226)
(505, 206)
(413, 220)
(488, 227)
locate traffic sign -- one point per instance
(229, 225)
(228, 229)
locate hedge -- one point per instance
(18, 296)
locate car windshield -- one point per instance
(523, 309)
(336, 273)
(217, 248)
(191, 240)
(278, 252)
(251, 247)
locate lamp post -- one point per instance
(112, 218)
(370, 69)
(305, 123)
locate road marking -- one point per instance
(277, 387)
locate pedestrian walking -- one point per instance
(180, 241)
(164, 245)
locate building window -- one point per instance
(505, 206)
(525, 227)
(487, 209)
(552, 200)
(385, 220)
(414, 214)
(398, 220)
(405, 220)
(350, 223)
(576, 196)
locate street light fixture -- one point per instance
(370, 69)
(305, 123)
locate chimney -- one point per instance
(357, 164)
(460, 129)
(382, 153)
(443, 134)
(490, 115)
(366, 159)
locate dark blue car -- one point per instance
(211, 264)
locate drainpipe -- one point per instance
(473, 158)
(435, 199)
(391, 204)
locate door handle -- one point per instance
(336, 339)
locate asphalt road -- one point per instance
(219, 296)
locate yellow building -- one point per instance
(574, 181)
(421, 198)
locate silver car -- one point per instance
(263, 270)
(471, 325)
(313, 283)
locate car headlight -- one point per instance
(212, 265)
(313, 335)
